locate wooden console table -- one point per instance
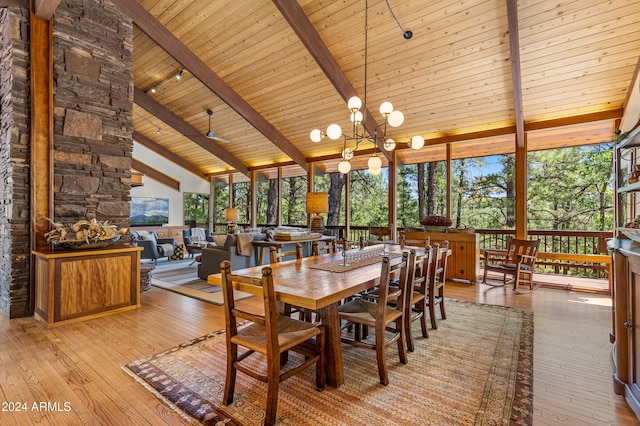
(263, 246)
(75, 285)
(465, 254)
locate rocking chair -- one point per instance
(517, 262)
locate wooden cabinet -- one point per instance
(465, 253)
(626, 321)
(633, 326)
(74, 285)
(168, 231)
(626, 272)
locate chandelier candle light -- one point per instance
(393, 118)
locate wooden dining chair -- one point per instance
(435, 296)
(387, 320)
(416, 302)
(517, 262)
(351, 244)
(414, 242)
(270, 335)
(418, 299)
(323, 247)
(276, 255)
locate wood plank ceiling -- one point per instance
(452, 80)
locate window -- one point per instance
(196, 209)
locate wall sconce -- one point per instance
(232, 216)
(317, 202)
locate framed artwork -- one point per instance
(146, 211)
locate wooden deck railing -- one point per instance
(579, 253)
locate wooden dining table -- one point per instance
(304, 284)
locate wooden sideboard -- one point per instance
(465, 253)
(626, 320)
(167, 231)
(75, 285)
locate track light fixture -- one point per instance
(178, 75)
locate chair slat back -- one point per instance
(439, 263)
(276, 255)
(524, 247)
(404, 241)
(378, 233)
(351, 244)
(322, 247)
(423, 270)
(389, 273)
(263, 285)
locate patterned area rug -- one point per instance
(475, 369)
(186, 282)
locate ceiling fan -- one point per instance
(211, 134)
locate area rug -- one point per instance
(185, 281)
(475, 369)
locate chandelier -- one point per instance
(359, 134)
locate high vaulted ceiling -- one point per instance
(273, 70)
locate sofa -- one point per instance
(211, 257)
(154, 248)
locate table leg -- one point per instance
(333, 350)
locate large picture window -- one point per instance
(196, 210)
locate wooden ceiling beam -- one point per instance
(155, 174)
(611, 114)
(307, 34)
(176, 49)
(527, 127)
(516, 75)
(163, 114)
(164, 152)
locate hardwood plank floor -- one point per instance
(76, 368)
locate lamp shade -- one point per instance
(232, 215)
(317, 202)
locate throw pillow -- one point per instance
(147, 237)
(219, 239)
(178, 253)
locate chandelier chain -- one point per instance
(358, 110)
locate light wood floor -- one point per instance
(76, 368)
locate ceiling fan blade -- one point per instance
(219, 139)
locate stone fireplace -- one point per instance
(92, 128)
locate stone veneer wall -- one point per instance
(14, 162)
(93, 106)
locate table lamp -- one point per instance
(317, 202)
(232, 216)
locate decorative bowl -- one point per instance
(632, 233)
(83, 245)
